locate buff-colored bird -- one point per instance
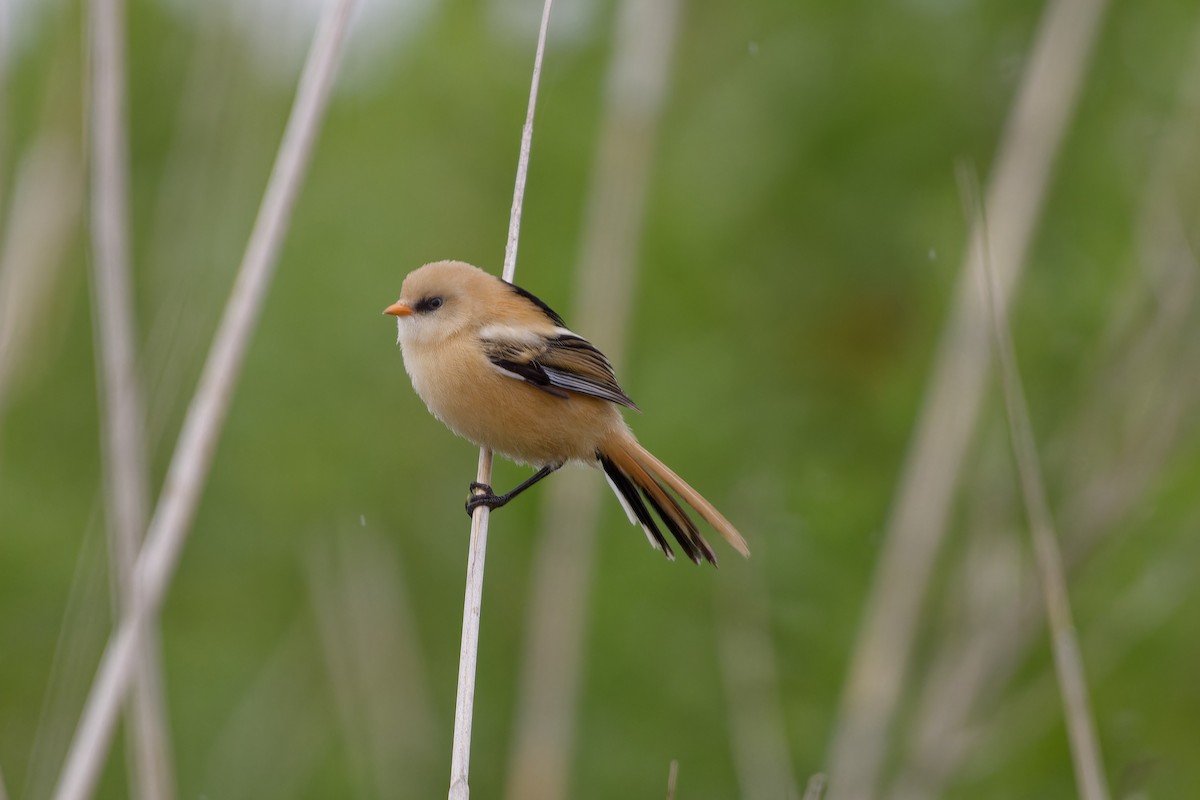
(501, 369)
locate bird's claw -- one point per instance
(482, 495)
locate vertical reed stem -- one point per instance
(464, 705)
(123, 429)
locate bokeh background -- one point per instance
(802, 236)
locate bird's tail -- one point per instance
(634, 474)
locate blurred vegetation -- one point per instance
(804, 234)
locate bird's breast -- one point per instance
(485, 406)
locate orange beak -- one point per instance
(399, 309)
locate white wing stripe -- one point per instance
(504, 371)
(633, 520)
(511, 333)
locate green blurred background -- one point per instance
(803, 236)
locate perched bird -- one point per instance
(499, 368)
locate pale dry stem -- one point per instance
(1120, 440)
(1068, 660)
(464, 704)
(919, 519)
(123, 416)
(193, 455)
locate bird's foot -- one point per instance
(482, 495)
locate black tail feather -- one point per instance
(681, 526)
(625, 486)
(677, 521)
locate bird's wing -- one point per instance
(556, 362)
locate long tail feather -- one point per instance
(677, 520)
(691, 497)
(627, 493)
(630, 468)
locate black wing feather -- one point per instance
(532, 373)
(558, 364)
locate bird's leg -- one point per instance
(482, 494)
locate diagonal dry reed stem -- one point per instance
(1146, 361)
(464, 703)
(918, 521)
(1133, 614)
(543, 737)
(975, 664)
(206, 415)
(123, 419)
(1081, 727)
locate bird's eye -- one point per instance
(430, 304)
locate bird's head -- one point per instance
(439, 300)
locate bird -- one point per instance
(501, 369)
